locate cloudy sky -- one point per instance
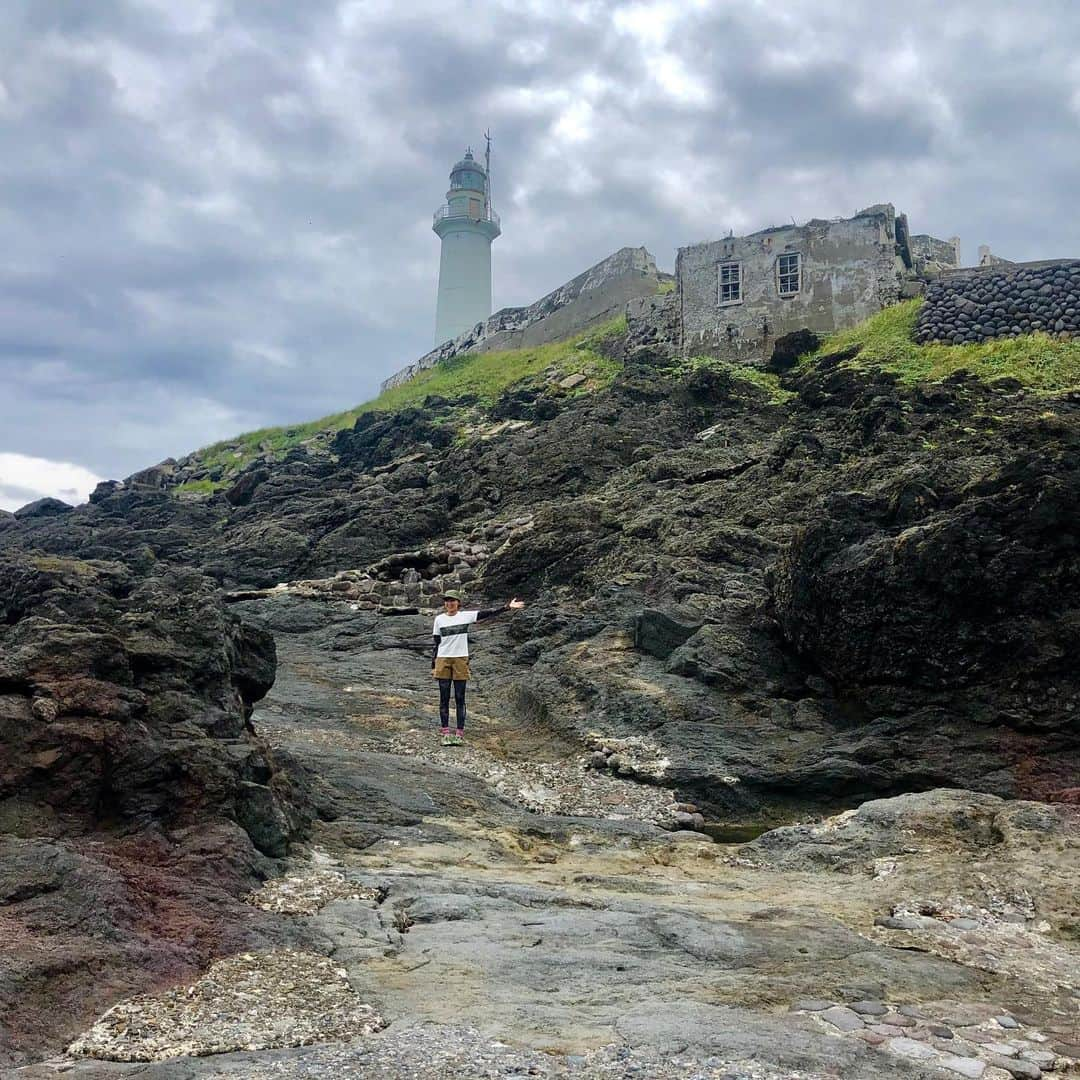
(215, 215)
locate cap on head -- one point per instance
(452, 594)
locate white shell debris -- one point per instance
(308, 892)
(250, 1001)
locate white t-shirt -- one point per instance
(453, 632)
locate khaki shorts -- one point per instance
(452, 667)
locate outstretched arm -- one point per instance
(489, 613)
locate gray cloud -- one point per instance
(216, 215)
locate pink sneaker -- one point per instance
(444, 731)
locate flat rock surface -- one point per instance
(494, 938)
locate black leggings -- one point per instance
(459, 701)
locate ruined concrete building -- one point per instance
(735, 297)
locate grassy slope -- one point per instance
(486, 375)
(885, 341)
(1036, 360)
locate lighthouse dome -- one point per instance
(468, 173)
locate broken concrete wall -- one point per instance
(933, 256)
(652, 323)
(848, 270)
(593, 297)
(995, 301)
(988, 258)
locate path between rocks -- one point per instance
(499, 910)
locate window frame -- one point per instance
(780, 274)
(720, 283)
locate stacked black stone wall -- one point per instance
(1002, 302)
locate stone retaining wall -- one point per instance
(1002, 301)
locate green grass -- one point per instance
(885, 341)
(235, 453)
(486, 375)
(200, 487)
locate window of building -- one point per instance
(730, 282)
(788, 274)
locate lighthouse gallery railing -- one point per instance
(445, 211)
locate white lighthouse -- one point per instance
(466, 225)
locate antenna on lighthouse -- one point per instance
(487, 169)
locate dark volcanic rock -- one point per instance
(983, 590)
(880, 580)
(790, 347)
(136, 805)
(123, 702)
(157, 476)
(241, 492)
(659, 634)
(377, 438)
(43, 508)
(524, 404)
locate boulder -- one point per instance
(790, 347)
(378, 438)
(43, 508)
(659, 634)
(241, 493)
(105, 489)
(157, 476)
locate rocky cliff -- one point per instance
(842, 588)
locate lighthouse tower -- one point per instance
(466, 225)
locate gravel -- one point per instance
(444, 1052)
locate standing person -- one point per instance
(450, 660)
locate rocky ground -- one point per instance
(842, 624)
(442, 924)
(863, 590)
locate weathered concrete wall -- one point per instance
(850, 269)
(599, 294)
(994, 301)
